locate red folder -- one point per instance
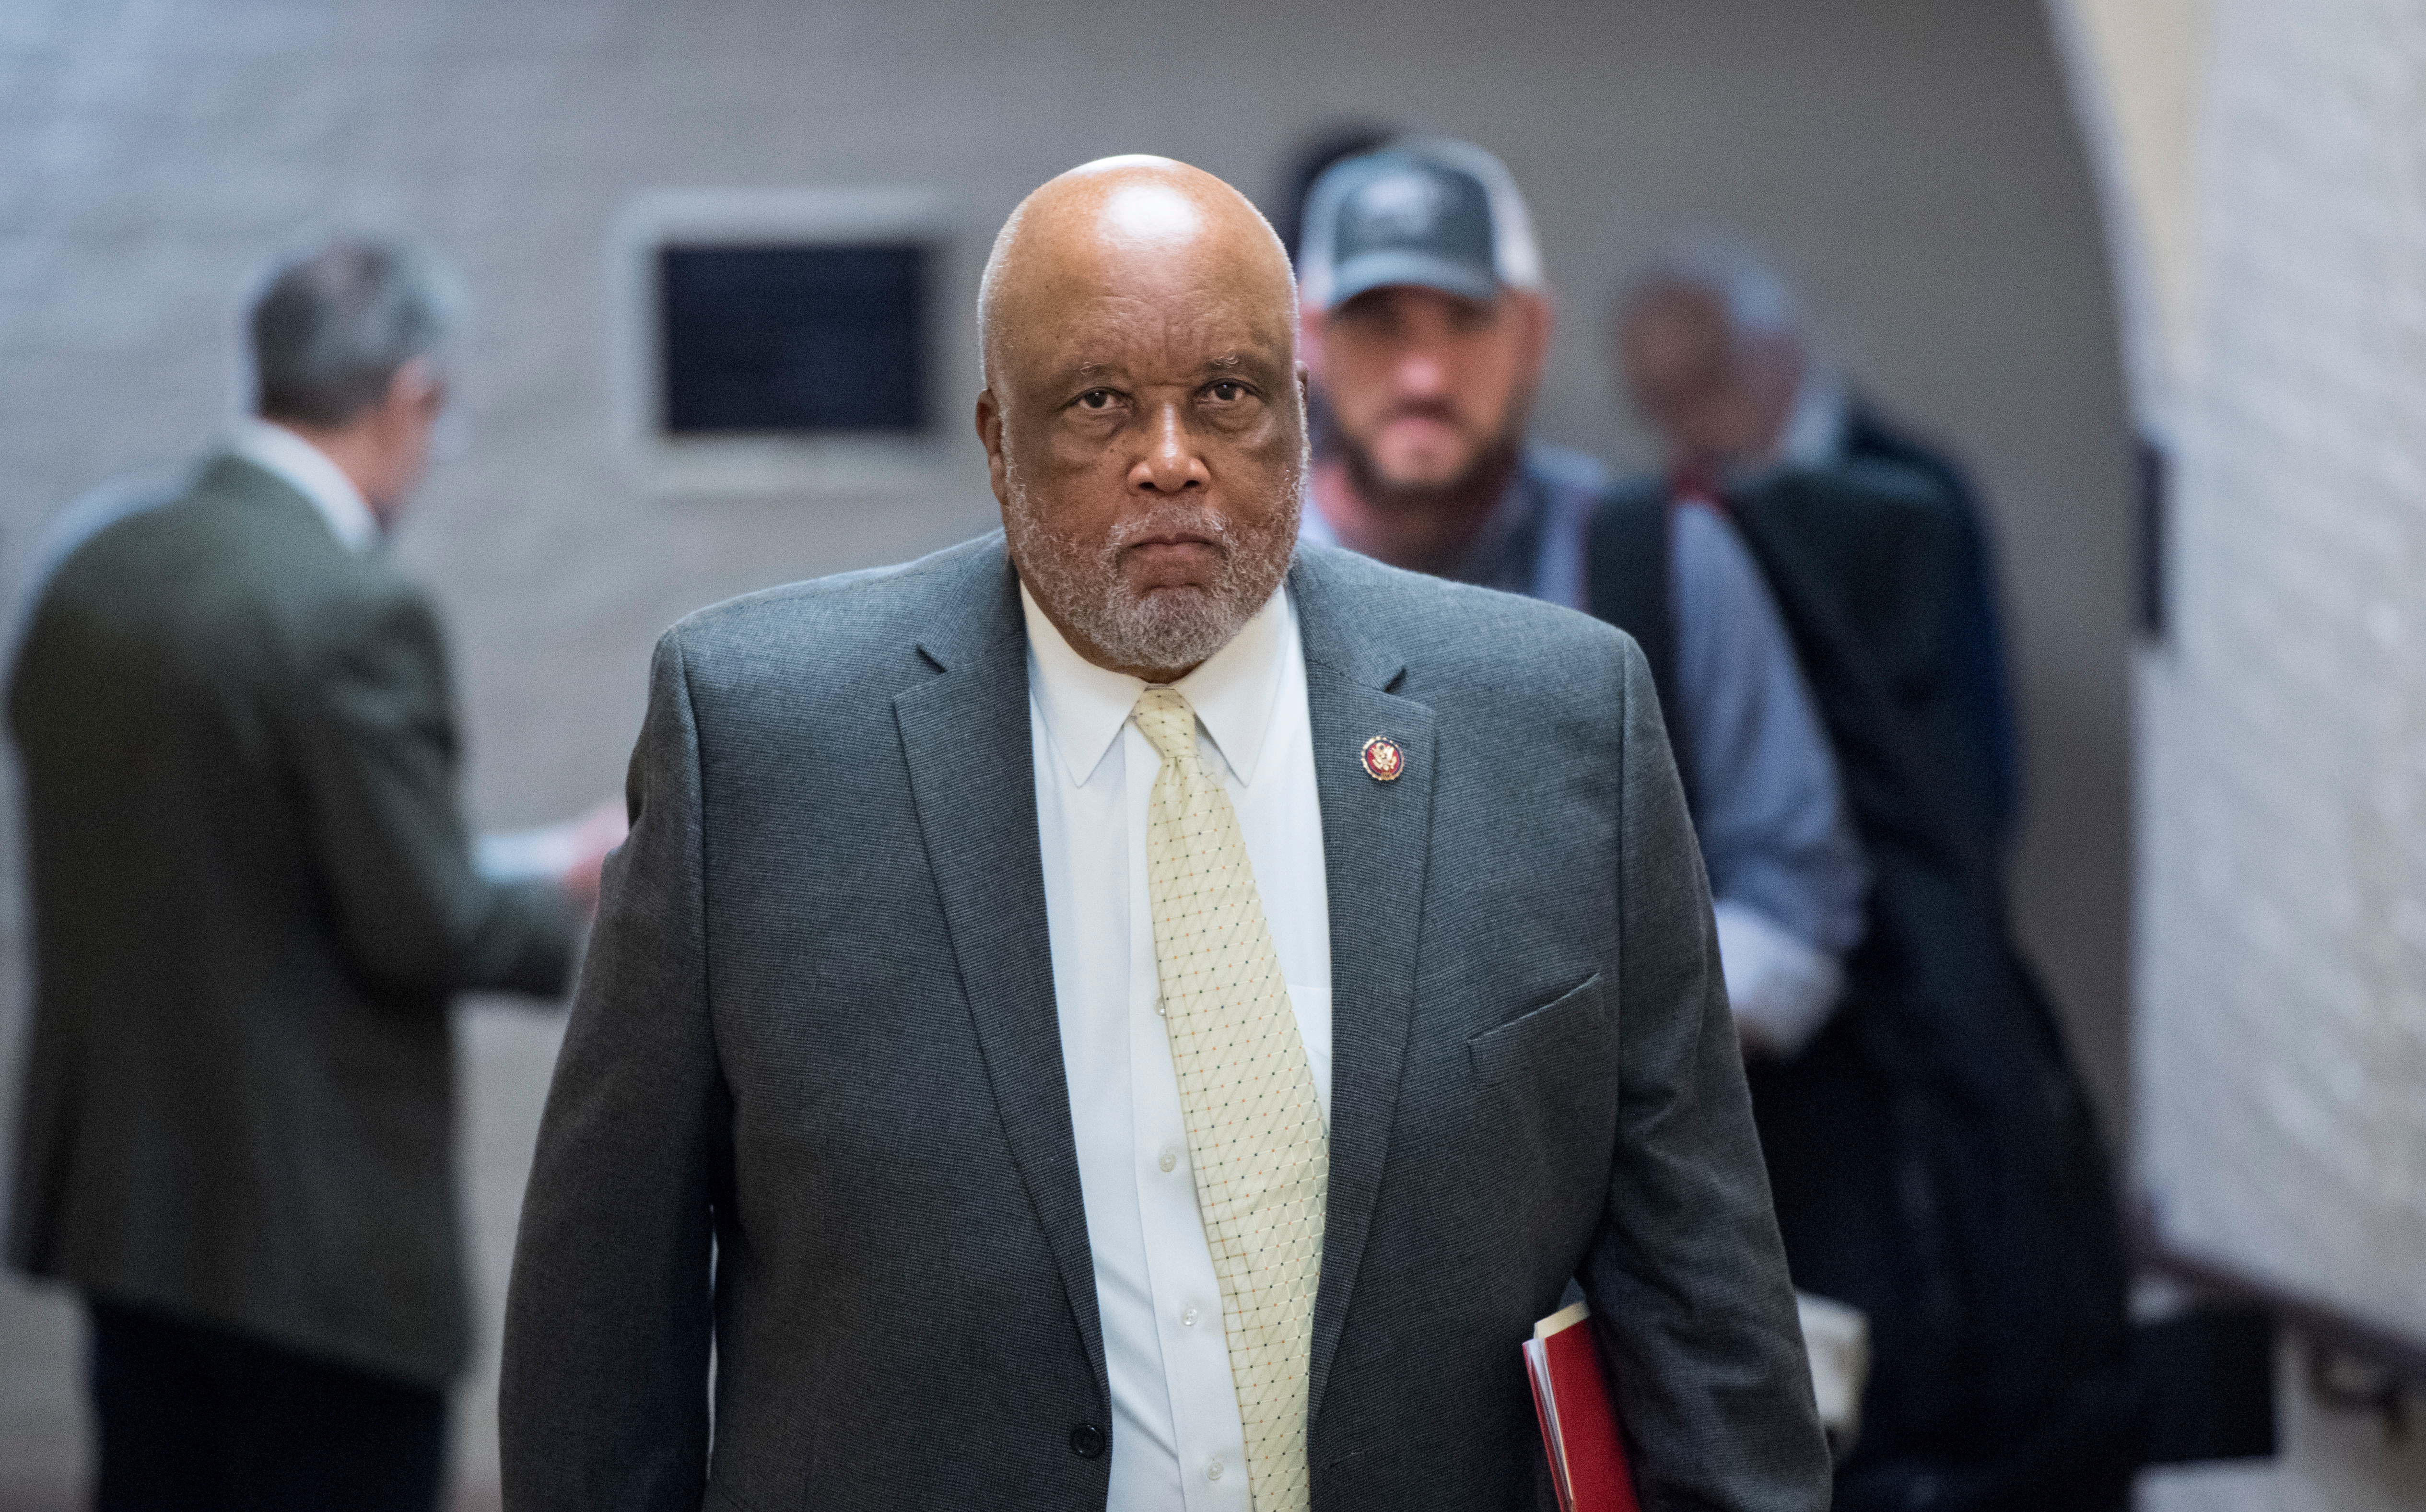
(1579, 1417)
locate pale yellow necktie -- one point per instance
(1255, 1134)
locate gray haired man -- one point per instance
(1710, 347)
(253, 898)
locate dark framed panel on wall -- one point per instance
(780, 340)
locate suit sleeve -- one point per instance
(375, 745)
(1686, 1276)
(609, 1317)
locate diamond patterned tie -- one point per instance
(1256, 1135)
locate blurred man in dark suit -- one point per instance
(253, 900)
(1713, 354)
(1931, 1151)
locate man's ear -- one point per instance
(415, 386)
(1310, 332)
(1539, 313)
(989, 419)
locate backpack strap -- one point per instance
(1626, 583)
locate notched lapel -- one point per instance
(966, 738)
(1376, 844)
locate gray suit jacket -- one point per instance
(810, 1109)
(252, 900)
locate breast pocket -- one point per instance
(1545, 1098)
(1574, 1035)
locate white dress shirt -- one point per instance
(308, 470)
(1176, 1439)
(1813, 434)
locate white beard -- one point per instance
(1168, 628)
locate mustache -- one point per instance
(1440, 409)
(1172, 519)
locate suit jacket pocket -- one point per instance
(1577, 1024)
(715, 1496)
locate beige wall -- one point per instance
(2141, 66)
(1912, 165)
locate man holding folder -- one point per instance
(1137, 1012)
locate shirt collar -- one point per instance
(1233, 692)
(307, 469)
(1815, 428)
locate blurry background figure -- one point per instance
(253, 900)
(1287, 212)
(1713, 354)
(1331, 144)
(95, 511)
(1427, 317)
(1932, 1156)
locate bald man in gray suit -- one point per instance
(1133, 1012)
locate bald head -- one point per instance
(1117, 221)
(1143, 416)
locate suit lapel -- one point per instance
(966, 738)
(1376, 839)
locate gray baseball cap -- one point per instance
(1424, 211)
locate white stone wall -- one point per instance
(1913, 167)
(2282, 970)
(2284, 979)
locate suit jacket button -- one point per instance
(1086, 1441)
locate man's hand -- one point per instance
(568, 854)
(1782, 988)
(592, 835)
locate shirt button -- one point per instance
(1213, 1471)
(1170, 1160)
(1161, 1011)
(1187, 1319)
(1087, 1441)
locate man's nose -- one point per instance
(1420, 373)
(1171, 464)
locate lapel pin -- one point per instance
(1383, 761)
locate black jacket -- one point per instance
(1933, 1160)
(1971, 632)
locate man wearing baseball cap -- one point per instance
(1426, 321)
(1929, 1162)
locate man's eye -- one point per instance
(1227, 391)
(1096, 399)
